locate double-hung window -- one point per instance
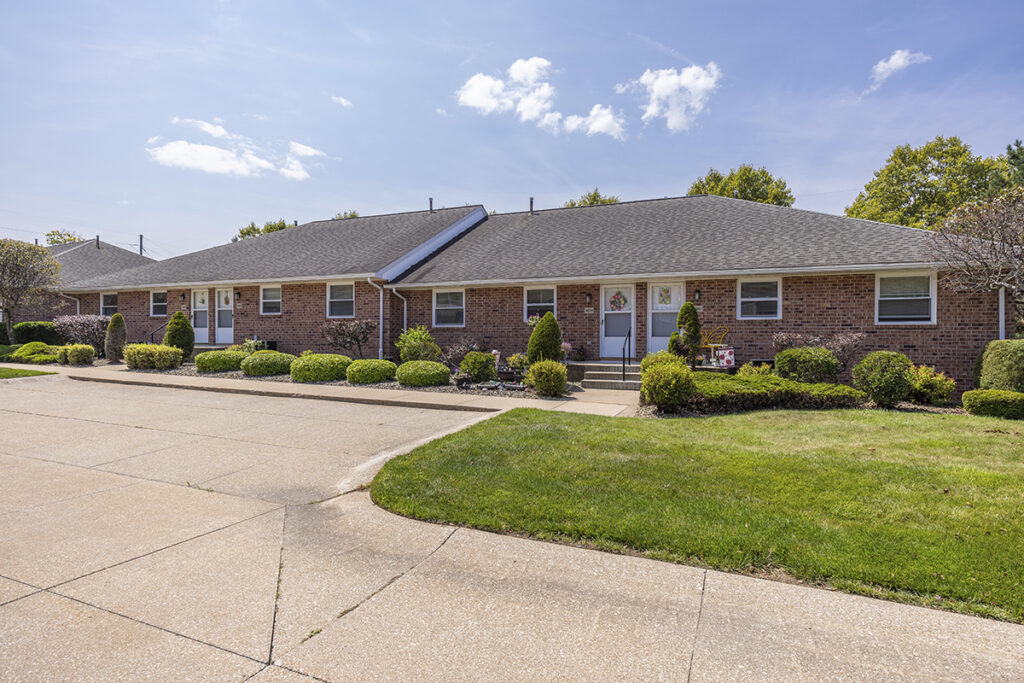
(905, 299)
(270, 300)
(108, 303)
(157, 304)
(450, 308)
(759, 299)
(538, 301)
(341, 301)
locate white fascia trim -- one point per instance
(933, 291)
(78, 305)
(410, 259)
(224, 284)
(692, 275)
(554, 302)
(739, 301)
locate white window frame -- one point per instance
(327, 309)
(739, 300)
(167, 303)
(280, 300)
(103, 308)
(932, 294)
(433, 307)
(554, 300)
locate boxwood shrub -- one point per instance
(319, 367)
(807, 364)
(39, 331)
(995, 403)
(151, 357)
(658, 357)
(1002, 365)
(885, 376)
(220, 361)
(179, 333)
(266, 363)
(931, 387)
(547, 378)
(423, 373)
(76, 354)
(479, 365)
(370, 371)
(720, 393)
(667, 385)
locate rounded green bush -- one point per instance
(931, 387)
(659, 357)
(262, 364)
(1002, 365)
(319, 367)
(31, 349)
(547, 378)
(480, 365)
(37, 331)
(416, 343)
(220, 361)
(995, 403)
(423, 373)
(812, 364)
(76, 354)
(885, 376)
(667, 385)
(545, 340)
(4, 340)
(370, 371)
(180, 334)
(151, 357)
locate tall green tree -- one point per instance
(920, 186)
(253, 230)
(592, 198)
(1013, 172)
(27, 271)
(58, 236)
(347, 213)
(745, 182)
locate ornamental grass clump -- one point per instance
(812, 364)
(547, 378)
(220, 361)
(117, 335)
(885, 376)
(180, 334)
(267, 363)
(152, 357)
(319, 367)
(370, 371)
(423, 373)
(479, 366)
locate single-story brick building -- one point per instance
(607, 272)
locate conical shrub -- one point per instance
(180, 334)
(117, 335)
(545, 341)
(689, 342)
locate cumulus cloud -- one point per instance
(678, 96)
(300, 150)
(526, 91)
(897, 61)
(293, 170)
(213, 129)
(208, 158)
(338, 99)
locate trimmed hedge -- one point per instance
(1002, 365)
(721, 393)
(667, 385)
(319, 367)
(76, 354)
(220, 361)
(547, 378)
(545, 341)
(40, 331)
(995, 403)
(6, 351)
(151, 357)
(423, 373)
(480, 365)
(931, 387)
(370, 371)
(658, 358)
(267, 363)
(42, 359)
(180, 334)
(812, 364)
(885, 376)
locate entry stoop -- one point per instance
(609, 376)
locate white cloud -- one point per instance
(293, 170)
(532, 97)
(182, 154)
(338, 99)
(215, 130)
(677, 96)
(152, 139)
(441, 111)
(601, 119)
(897, 61)
(300, 150)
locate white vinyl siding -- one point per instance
(538, 301)
(108, 303)
(157, 304)
(270, 300)
(759, 299)
(449, 308)
(341, 300)
(905, 299)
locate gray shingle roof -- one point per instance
(683, 235)
(354, 246)
(84, 260)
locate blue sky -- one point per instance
(184, 121)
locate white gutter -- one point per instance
(405, 309)
(221, 283)
(1002, 312)
(78, 303)
(380, 320)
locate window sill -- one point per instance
(341, 317)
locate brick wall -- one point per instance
(47, 309)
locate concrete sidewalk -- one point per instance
(589, 401)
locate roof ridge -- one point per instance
(597, 206)
(392, 213)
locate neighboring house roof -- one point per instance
(692, 236)
(370, 246)
(89, 259)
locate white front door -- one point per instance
(616, 320)
(225, 316)
(663, 302)
(201, 315)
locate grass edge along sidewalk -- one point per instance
(11, 373)
(920, 508)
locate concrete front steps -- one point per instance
(609, 376)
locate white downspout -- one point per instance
(1002, 312)
(405, 309)
(380, 320)
(78, 303)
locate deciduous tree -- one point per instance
(57, 236)
(592, 198)
(347, 213)
(27, 271)
(745, 182)
(253, 230)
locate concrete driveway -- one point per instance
(182, 535)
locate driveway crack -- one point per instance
(696, 628)
(277, 590)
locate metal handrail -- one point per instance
(628, 341)
(151, 334)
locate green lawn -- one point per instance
(916, 507)
(8, 373)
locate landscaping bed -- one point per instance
(920, 508)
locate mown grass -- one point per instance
(921, 508)
(9, 373)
